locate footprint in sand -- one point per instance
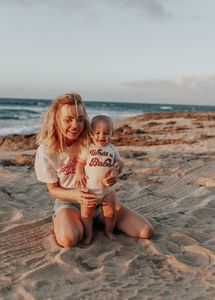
(196, 257)
(84, 261)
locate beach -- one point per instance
(169, 177)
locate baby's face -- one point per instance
(102, 133)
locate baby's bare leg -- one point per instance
(87, 214)
(109, 210)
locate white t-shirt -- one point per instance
(98, 160)
(51, 168)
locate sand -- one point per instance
(170, 180)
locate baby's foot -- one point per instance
(111, 236)
(86, 241)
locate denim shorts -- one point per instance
(61, 204)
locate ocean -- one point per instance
(23, 116)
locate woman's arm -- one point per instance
(82, 196)
(110, 176)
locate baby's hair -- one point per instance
(101, 117)
(50, 134)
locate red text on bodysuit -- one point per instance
(96, 162)
(98, 152)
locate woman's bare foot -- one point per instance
(110, 236)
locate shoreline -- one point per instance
(169, 177)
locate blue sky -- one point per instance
(149, 51)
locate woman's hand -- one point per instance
(110, 177)
(84, 197)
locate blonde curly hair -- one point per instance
(50, 134)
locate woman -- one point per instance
(65, 131)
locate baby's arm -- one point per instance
(80, 173)
(119, 166)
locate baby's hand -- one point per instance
(119, 170)
(119, 166)
(81, 181)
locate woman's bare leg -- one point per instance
(109, 211)
(68, 227)
(130, 222)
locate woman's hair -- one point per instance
(50, 134)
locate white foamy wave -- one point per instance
(38, 109)
(166, 107)
(112, 115)
(21, 127)
(20, 130)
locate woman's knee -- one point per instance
(69, 239)
(68, 227)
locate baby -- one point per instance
(90, 170)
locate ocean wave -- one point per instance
(9, 118)
(36, 110)
(21, 129)
(166, 107)
(25, 109)
(113, 116)
(14, 114)
(24, 102)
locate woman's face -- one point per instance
(72, 122)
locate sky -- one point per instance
(147, 51)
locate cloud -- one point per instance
(150, 8)
(190, 87)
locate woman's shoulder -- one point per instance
(42, 149)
